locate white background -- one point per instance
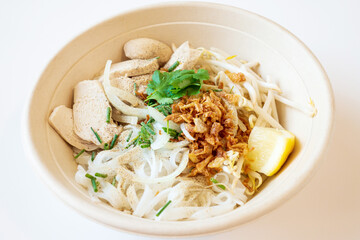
(329, 206)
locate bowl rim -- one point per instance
(77, 204)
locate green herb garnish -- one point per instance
(93, 156)
(134, 142)
(106, 146)
(90, 176)
(172, 67)
(148, 127)
(114, 181)
(173, 133)
(164, 109)
(135, 88)
(217, 90)
(128, 138)
(113, 141)
(163, 208)
(96, 135)
(101, 175)
(81, 152)
(165, 87)
(94, 184)
(231, 89)
(216, 182)
(108, 111)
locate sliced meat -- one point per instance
(142, 82)
(124, 83)
(90, 111)
(134, 67)
(127, 84)
(133, 155)
(146, 48)
(61, 119)
(186, 56)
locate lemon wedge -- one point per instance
(269, 149)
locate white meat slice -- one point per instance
(61, 119)
(90, 111)
(127, 84)
(146, 48)
(186, 56)
(142, 82)
(134, 67)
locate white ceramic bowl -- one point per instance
(234, 30)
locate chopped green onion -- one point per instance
(81, 152)
(135, 88)
(164, 109)
(231, 89)
(128, 138)
(97, 135)
(108, 111)
(90, 176)
(163, 208)
(172, 67)
(145, 146)
(148, 128)
(113, 141)
(101, 175)
(106, 146)
(216, 182)
(94, 184)
(167, 127)
(157, 57)
(93, 156)
(134, 142)
(173, 133)
(217, 90)
(151, 120)
(114, 181)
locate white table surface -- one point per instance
(329, 206)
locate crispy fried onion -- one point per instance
(211, 123)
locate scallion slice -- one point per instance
(128, 138)
(101, 175)
(94, 184)
(148, 128)
(112, 144)
(114, 181)
(172, 67)
(135, 88)
(81, 152)
(231, 89)
(96, 135)
(163, 208)
(90, 176)
(108, 112)
(216, 182)
(93, 156)
(106, 146)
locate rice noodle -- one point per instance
(180, 169)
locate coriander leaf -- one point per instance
(168, 86)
